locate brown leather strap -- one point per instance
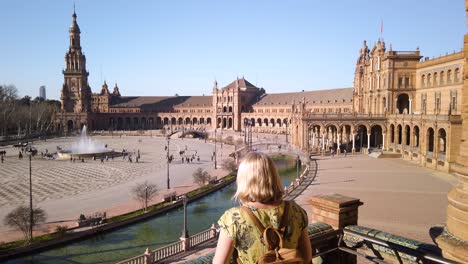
(259, 224)
(284, 218)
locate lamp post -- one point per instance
(221, 143)
(286, 131)
(298, 165)
(167, 159)
(215, 150)
(184, 229)
(31, 214)
(146, 197)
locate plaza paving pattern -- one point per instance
(66, 189)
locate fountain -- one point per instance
(85, 148)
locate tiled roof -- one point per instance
(242, 83)
(321, 96)
(161, 101)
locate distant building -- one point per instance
(42, 92)
(400, 102)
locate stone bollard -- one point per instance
(338, 211)
(148, 259)
(214, 231)
(185, 243)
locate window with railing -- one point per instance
(453, 101)
(423, 103)
(437, 102)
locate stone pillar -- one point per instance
(313, 140)
(354, 142)
(410, 107)
(337, 211)
(323, 144)
(368, 142)
(383, 141)
(453, 240)
(148, 258)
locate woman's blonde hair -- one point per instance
(258, 179)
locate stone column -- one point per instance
(368, 142)
(410, 107)
(354, 142)
(323, 143)
(454, 237)
(383, 141)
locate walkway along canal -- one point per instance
(153, 233)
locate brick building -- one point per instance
(400, 102)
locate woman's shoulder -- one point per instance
(231, 214)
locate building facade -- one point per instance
(42, 92)
(400, 102)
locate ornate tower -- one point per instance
(76, 93)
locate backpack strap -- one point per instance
(284, 218)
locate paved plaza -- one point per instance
(399, 197)
(66, 189)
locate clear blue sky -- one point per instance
(167, 47)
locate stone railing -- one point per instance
(297, 182)
(166, 251)
(202, 237)
(331, 116)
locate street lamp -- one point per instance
(286, 131)
(31, 214)
(184, 230)
(167, 159)
(215, 150)
(221, 143)
(298, 165)
(146, 197)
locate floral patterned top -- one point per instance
(247, 238)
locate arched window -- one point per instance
(442, 78)
(457, 75)
(429, 80)
(423, 80)
(435, 79)
(449, 77)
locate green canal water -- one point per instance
(156, 232)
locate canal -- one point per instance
(156, 232)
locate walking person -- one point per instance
(260, 192)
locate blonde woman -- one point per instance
(259, 188)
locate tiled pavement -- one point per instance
(66, 189)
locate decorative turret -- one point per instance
(215, 85)
(104, 90)
(116, 91)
